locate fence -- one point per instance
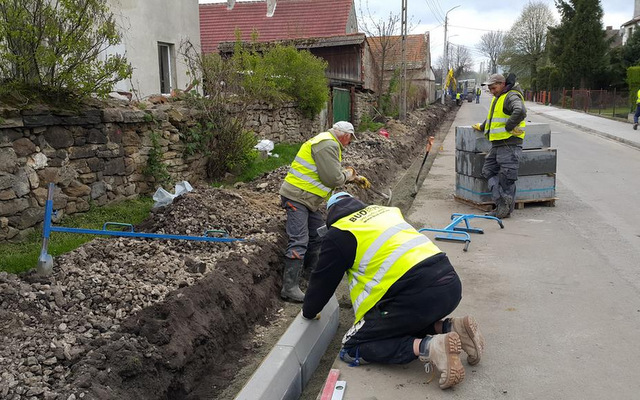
(612, 103)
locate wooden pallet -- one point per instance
(520, 204)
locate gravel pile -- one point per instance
(140, 318)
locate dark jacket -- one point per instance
(338, 254)
(514, 107)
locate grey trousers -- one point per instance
(302, 228)
(501, 170)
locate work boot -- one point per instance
(503, 207)
(310, 262)
(635, 126)
(444, 354)
(470, 337)
(290, 277)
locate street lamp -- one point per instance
(446, 63)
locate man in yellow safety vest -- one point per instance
(313, 175)
(505, 128)
(401, 286)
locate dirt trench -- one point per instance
(142, 319)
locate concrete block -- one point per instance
(311, 339)
(291, 363)
(531, 187)
(538, 136)
(278, 377)
(533, 162)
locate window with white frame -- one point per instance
(165, 61)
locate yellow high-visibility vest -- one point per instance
(499, 119)
(638, 101)
(387, 247)
(303, 172)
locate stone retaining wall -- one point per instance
(97, 156)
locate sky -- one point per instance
(468, 22)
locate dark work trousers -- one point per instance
(387, 331)
(302, 228)
(501, 170)
(637, 114)
(477, 98)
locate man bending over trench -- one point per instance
(402, 288)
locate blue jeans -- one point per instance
(637, 114)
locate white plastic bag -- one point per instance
(163, 198)
(264, 145)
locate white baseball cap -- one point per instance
(344, 126)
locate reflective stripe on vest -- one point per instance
(303, 172)
(499, 119)
(387, 247)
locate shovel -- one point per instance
(426, 154)
(366, 185)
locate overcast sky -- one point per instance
(471, 19)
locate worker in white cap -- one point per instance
(315, 172)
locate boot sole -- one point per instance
(471, 327)
(455, 370)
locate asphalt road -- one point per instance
(556, 292)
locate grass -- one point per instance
(20, 257)
(286, 152)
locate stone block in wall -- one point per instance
(77, 189)
(58, 137)
(8, 160)
(131, 138)
(82, 152)
(40, 195)
(23, 147)
(13, 207)
(94, 164)
(21, 183)
(110, 153)
(88, 178)
(114, 133)
(158, 114)
(41, 120)
(8, 136)
(6, 181)
(27, 218)
(48, 175)
(96, 136)
(37, 161)
(112, 115)
(9, 194)
(98, 189)
(132, 116)
(114, 167)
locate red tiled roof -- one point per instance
(416, 48)
(292, 19)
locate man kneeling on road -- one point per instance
(401, 286)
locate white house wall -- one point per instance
(143, 25)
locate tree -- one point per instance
(59, 46)
(459, 59)
(578, 44)
(525, 42)
(631, 50)
(492, 45)
(382, 34)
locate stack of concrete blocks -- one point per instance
(536, 175)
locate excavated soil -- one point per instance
(152, 319)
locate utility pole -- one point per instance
(403, 72)
(445, 61)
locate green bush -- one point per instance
(52, 50)
(155, 167)
(633, 80)
(367, 124)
